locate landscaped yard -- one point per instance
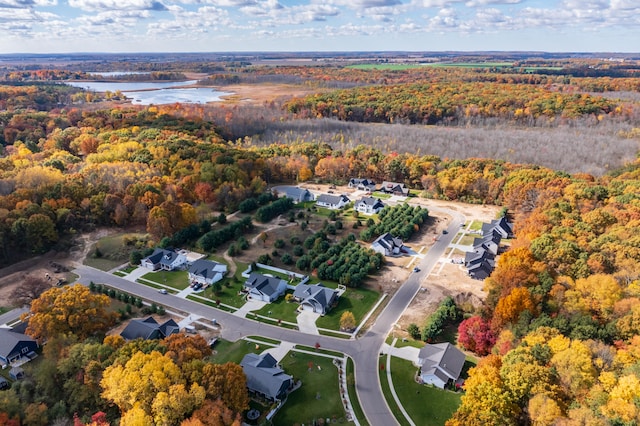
(280, 309)
(425, 404)
(175, 279)
(357, 300)
(226, 351)
(319, 396)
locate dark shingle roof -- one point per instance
(206, 268)
(264, 375)
(262, 283)
(10, 340)
(149, 329)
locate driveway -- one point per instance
(307, 322)
(251, 305)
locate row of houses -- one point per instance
(365, 205)
(482, 260)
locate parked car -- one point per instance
(445, 232)
(163, 291)
(416, 269)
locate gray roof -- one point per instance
(371, 201)
(388, 241)
(332, 199)
(12, 342)
(315, 294)
(498, 223)
(394, 187)
(480, 254)
(149, 329)
(294, 192)
(262, 283)
(265, 376)
(206, 268)
(443, 356)
(162, 256)
(481, 270)
(491, 236)
(358, 181)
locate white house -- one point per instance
(388, 245)
(264, 288)
(440, 363)
(167, 260)
(362, 184)
(332, 201)
(206, 272)
(369, 205)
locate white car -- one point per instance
(163, 291)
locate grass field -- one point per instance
(226, 351)
(359, 301)
(112, 251)
(280, 309)
(175, 279)
(319, 395)
(427, 404)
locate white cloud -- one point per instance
(107, 5)
(19, 4)
(475, 3)
(361, 4)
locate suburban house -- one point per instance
(16, 347)
(16, 373)
(501, 226)
(262, 287)
(265, 377)
(332, 201)
(167, 260)
(315, 297)
(394, 188)
(440, 363)
(149, 329)
(362, 184)
(369, 205)
(490, 241)
(388, 245)
(206, 272)
(296, 193)
(481, 261)
(4, 383)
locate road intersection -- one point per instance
(365, 350)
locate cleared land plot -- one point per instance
(112, 251)
(226, 351)
(174, 279)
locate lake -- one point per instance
(156, 92)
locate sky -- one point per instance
(63, 26)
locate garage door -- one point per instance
(307, 307)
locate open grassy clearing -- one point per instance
(426, 405)
(319, 395)
(112, 251)
(469, 64)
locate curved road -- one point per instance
(364, 351)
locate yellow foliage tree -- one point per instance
(65, 310)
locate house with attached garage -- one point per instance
(264, 288)
(149, 329)
(362, 184)
(297, 194)
(388, 245)
(440, 363)
(501, 226)
(15, 347)
(369, 205)
(265, 377)
(394, 188)
(166, 260)
(332, 201)
(206, 272)
(315, 297)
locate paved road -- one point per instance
(365, 351)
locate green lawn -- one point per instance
(229, 293)
(476, 225)
(175, 279)
(319, 395)
(467, 240)
(4, 309)
(384, 384)
(357, 300)
(426, 404)
(280, 309)
(226, 351)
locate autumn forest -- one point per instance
(553, 142)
